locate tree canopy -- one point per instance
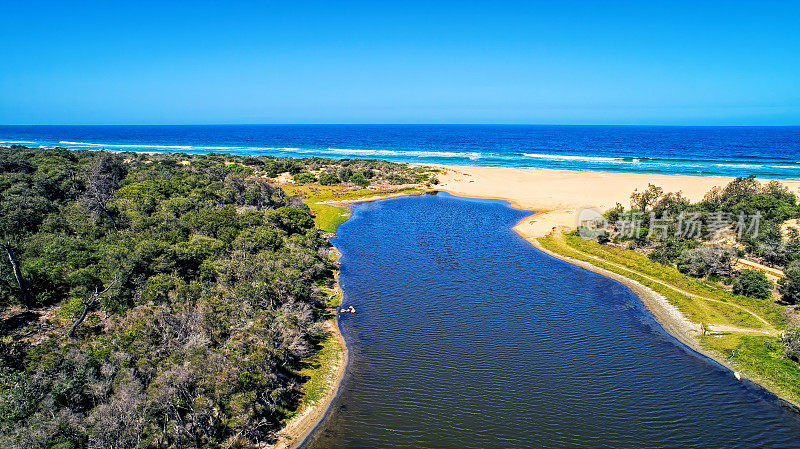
(192, 293)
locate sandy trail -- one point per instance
(769, 330)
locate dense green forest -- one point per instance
(158, 300)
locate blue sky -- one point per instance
(554, 62)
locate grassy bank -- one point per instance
(757, 356)
(328, 217)
(321, 373)
(320, 370)
(323, 370)
(720, 307)
(760, 358)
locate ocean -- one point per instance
(772, 152)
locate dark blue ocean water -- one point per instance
(465, 336)
(735, 151)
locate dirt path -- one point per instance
(712, 327)
(773, 274)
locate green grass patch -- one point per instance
(328, 217)
(319, 374)
(695, 309)
(334, 298)
(760, 357)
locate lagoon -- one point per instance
(466, 336)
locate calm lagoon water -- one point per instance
(465, 336)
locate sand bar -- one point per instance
(559, 194)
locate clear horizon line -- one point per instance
(411, 124)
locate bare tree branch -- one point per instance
(87, 305)
(103, 181)
(27, 298)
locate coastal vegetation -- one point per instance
(720, 275)
(789, 284)
(167, 300)
(328, 202)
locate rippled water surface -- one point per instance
(465, 336)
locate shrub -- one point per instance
(752, 283)
(328, 179)
(791, 343)
(290, 219)
(304, 177)
(669, 251)
(789, 285)
(359, 180)
(615, 214)
(215, 305)
(705, 261)
(345, 173)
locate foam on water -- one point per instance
(733, 151)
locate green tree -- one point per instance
(327, 178)
(359, 180)
(649, 197)
(789, 284)
(304, 177)
(291, 220)
(345, 173)
(752, 283)
(669, 250)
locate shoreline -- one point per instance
(552, 212)
(297, 431)
(300, 427)
(528, 189)
(670, 319)
(558, 195)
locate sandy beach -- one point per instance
(557, 195)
